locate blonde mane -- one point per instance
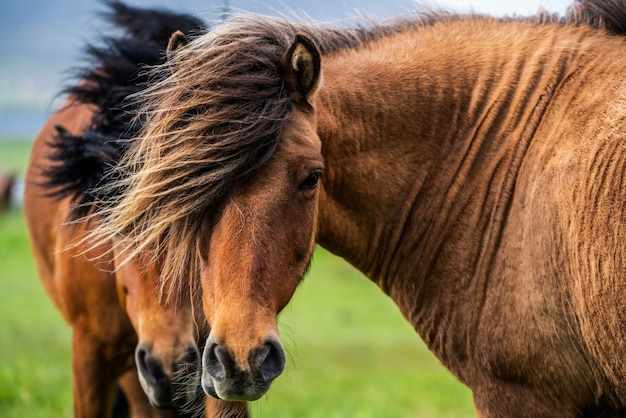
(213, 119)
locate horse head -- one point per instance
(261, 247)
(166, 356)
(222, 185)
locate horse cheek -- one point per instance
(299, 241)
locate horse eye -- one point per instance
(311, 181)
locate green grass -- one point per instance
(34, 341)
(35, 376)
(14, 155)
(350, 352)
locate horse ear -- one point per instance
(177, 40)
(301, 68)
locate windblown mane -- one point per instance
(113, 71)
(217, 116)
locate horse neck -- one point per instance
(418, 131)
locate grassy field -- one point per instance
(350, 352)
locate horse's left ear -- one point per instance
(301, 68)
(177, 40)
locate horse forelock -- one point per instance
(216, 117)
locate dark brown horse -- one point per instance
(121, 331)
(472, 167)
(111, 315)
(118, 319)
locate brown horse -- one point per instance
(472, 167)
(117, 319)
(111, 315)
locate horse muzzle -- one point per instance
(227, 379)
(170, 385)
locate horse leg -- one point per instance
(93, 377)
(138, 402)
(121, 409)
(94, 385)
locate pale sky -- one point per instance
(51, 33)
(503, 7)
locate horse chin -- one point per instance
(159, 396)
(209, 387)
(228, 391)
(172, 395)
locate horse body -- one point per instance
(107, 311)
(472, 167)
(484, 233)
(497, 230)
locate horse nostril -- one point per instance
(216, 361)
(140, 358)
(153, 377)
(274, 362)
(149, 367)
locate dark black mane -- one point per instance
(113, 71)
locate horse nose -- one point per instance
(154, 381)
(172, 390)
(269, 360)
(233, 381)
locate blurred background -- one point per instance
(41, 39)
(351, 354)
